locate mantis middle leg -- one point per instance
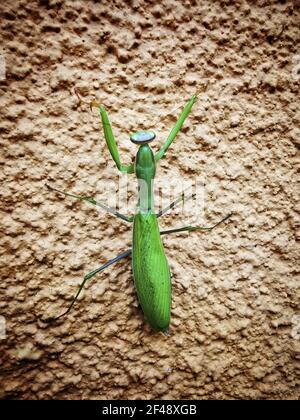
(183, 198)
(95, 203)
(194, 228)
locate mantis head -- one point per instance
(142, 137)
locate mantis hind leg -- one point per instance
(194, 228)
(87, 277)
(94, 202)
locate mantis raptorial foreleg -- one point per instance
(110, 140)
(95, 203)
(176, 128)
(88, 276)
(112, 145)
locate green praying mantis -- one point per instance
(150, 267)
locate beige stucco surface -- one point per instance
(235, 330)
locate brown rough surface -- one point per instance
(235, 329)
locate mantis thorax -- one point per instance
(145, 169)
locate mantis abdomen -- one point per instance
(151, 271)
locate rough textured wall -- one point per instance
(235, 315)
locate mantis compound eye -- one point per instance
(141, 137)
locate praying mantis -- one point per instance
(150, 267)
